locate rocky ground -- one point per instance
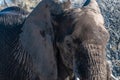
(111, 12)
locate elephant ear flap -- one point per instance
(37, 39)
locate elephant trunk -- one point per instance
(90, 62)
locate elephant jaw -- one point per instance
(90, 62)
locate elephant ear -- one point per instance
(10, 28)
(37, 39)
(15, 9)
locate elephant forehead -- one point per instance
(90, 26)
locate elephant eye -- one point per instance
(68, 43)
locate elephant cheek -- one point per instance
(90, 62)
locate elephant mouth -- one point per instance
(90, 62)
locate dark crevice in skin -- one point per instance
(61, 29)
(56, 19)
(60, 67)
(63, 71)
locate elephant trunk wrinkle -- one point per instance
(90, 62)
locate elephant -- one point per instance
(81, 39)
(55, 42)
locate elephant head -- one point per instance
(81, 39)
